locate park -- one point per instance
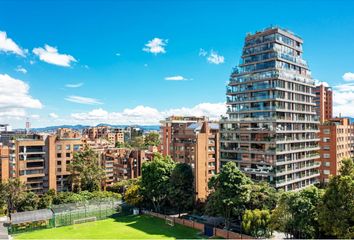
(116, 227)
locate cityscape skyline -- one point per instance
(88, 72)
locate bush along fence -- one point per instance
(216, 232)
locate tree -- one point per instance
(133, 195)
(137, 142)
(297, 213)
(181, 191)
(28, 202)
(262, 196)
(336, 213)
(152, 139)
(14, 191)
(230, 192)
(86, 172)
(256, 223)
(121, 186)
(155, 179)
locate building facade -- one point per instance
(114, 135)
(324, 102)
(336, 141)
(271, 128)
(195, 141)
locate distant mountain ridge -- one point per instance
(81, 127)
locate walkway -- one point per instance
(3, 230)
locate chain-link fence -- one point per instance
(63, 215)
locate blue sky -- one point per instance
(100, 55)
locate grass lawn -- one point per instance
(120, 227)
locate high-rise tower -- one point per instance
(271, 129)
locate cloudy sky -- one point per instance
(128, 62)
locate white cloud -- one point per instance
(343, 100)
(176, 78)
(35, 116)
(155, 46)
(21, 70)
(348, 76)
(15, 98)
(8, 45)
(145, 115)
(202, 52)
(74, 85)
(319, 82)
(212, 56)
(118, 54)
(215, 58)
(53, 115)
(83, 100)
(51, 55)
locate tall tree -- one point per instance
(297, 213)
(155, 180)
(230, 192)
(152, 139)
(14, 191)
(336, 213)
(86, 171)
(28, 202)
(181, 191)
(137, 142)
(256, 223)
(133, 195)
(262, 196)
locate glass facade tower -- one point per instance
(271, 128)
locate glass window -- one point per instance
(326, 164)
(67, 147)
(58, 155)
(326, 172)
(326, 131)
(326, 155)
(59, 147)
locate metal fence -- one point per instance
(63, 215)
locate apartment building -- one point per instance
(114, 135)
(27, 158)
(195, 141)
(271, 128)
(324, 102)
(123, 163)
(336, 141)
(4, 163)
(61, 149)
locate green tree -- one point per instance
(336, 213)
(133, 195)
(28, 202)
(137, 142)
(256, 223)
(262, 196)
(181, 191)
(155, 180)
(14, 191)
(230, 193)
(86, 171)
(152, 139)
(121, 186)
(297, 213)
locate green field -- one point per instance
(120, 227)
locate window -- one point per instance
(326, 172)
(58, 155)
(59, 147)
(326, 155)
(67, 147)
(59, 163)
(325, 147)
(76, 147)
(68, 155)
(326, 164)
(326, 131)
(326, 139)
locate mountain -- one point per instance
(81, 127)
